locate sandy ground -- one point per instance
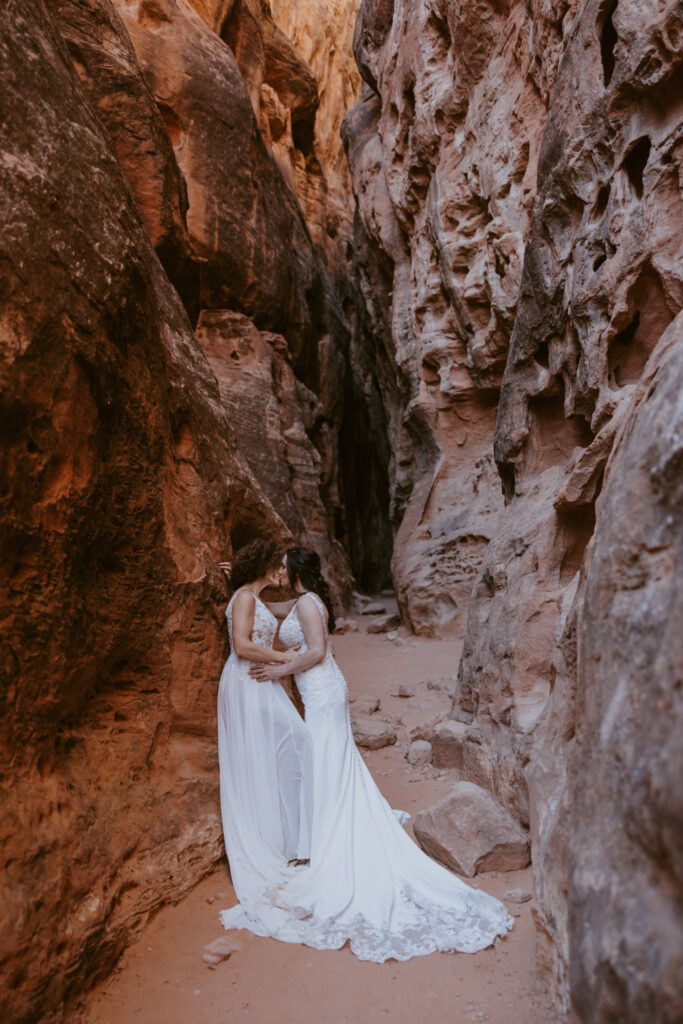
(163, 980)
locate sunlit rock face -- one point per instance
(173, 371)
(254, 251)
(517, 169)
(322, 32)
(122, 485)
(297, 64)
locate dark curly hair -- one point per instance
(303, 564)
(254, 560)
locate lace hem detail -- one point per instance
(421, 926)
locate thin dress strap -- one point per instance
(320, 604)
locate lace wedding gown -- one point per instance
(264, 752)
(367, 882)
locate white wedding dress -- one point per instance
(367, 882)
(266, 773)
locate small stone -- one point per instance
(375, 608)
(346, 626)
(220, 949)
(518, 896)
(373, 735)
(425, 730)
(385, 625)
(406, 691)
(419, 753)
(461, 716)
(393, 635)
(367, 705)
(433, 685)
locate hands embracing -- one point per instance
(263, 671)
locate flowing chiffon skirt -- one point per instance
(266, 771)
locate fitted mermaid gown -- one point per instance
(266, 775)
(367, 882)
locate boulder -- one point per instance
(419, 753)
(447, 740)
(406, 691)
(470, 832)
(373, 735)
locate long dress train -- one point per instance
(367, 882)
(265, 758)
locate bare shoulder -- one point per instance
(244, 600)
(310, 605)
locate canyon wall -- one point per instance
(174, 362)
(518, 175)
(298, 67)
(444, 166)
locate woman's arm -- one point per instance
(242, 627)
(314, 632)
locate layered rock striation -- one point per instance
(517, 169)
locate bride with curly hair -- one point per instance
(264, 747)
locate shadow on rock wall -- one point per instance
(139, 200)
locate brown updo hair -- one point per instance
(303, 564)
(254, 560)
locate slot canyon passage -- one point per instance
(400, 280)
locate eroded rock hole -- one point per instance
(631, 346)
(303, 134)
(608, 40)
(576, 529)
(439, 35)
(409, 99)
(635, 162)
(599, 260)
(541, 354)
(553, 435)
(507, 479)
(602, 200)
(430, 372)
